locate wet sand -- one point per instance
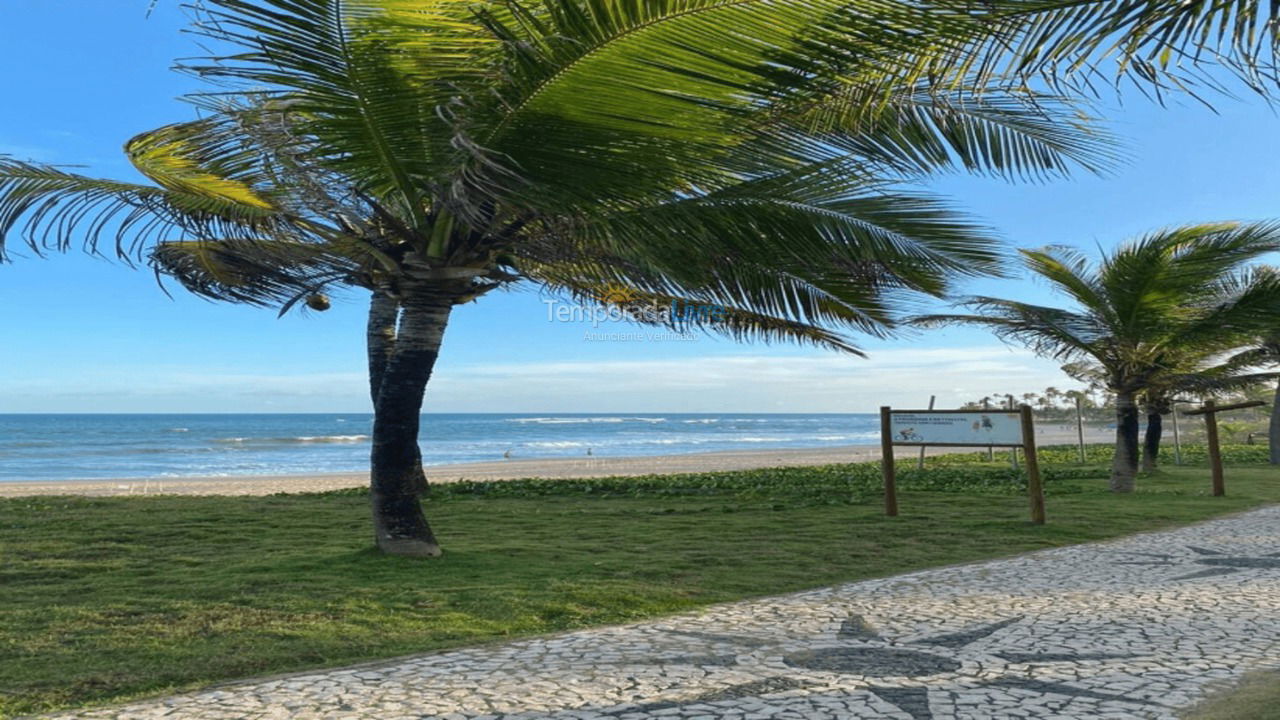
(578, 467)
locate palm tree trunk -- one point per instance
(1273, 431)
(1125, 466)
(380, 335)
(1151, 441)
(397, 480)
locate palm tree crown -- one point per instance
(1148, 315)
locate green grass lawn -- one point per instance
(105, 599)
(1257, 698)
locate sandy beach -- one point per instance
(578, 467)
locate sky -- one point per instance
(82, 334)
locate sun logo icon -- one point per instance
(614, 294)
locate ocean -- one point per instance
(83, 447)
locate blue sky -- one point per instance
(84, 335)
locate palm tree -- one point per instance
(1192, 370)
(1050, 397)
(1266, 353)
(1141, 310)
(429, 153)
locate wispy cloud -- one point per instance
(747, 383)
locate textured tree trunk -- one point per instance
(380, 336)
(384, 311)
(397, 479)
(1151, 441)
(1273, 431)
(1125, 466)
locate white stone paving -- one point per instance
(1134, 628)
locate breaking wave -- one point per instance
(300, 440)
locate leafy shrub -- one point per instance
(847, 483)
(970, 473)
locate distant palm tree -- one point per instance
(1140, 311)
(743, 159)
(1050, 397)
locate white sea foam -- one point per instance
(581, 420)
(292, 440)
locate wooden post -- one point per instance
(1215, 453)
(991, 451)
(1080, 429)
(886, 464)
(920, 462)
(1035, 489)
(1013, 451)
(1210, 412)
(1177, 440)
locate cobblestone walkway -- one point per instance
(1135, 628)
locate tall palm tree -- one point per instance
(743, 157)
(1139, 312)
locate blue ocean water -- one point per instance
(70, 447)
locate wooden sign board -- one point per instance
(960, 428)
(956, 428)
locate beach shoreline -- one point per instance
(512, 469)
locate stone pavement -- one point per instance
(1134, 628)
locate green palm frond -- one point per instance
(618, 100)
(921, 129)
(1051, 332)
(1173, 303)
(1165, 45)
(686, 314)
(251, 271)
(51, 208)
(914, 238)
(797, 294)
(339, 65)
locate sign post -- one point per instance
(960, 428)
(920, 462)
(1080, 429)
(1210, 412)
(886, 465)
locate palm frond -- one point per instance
(250, 271)
(50, 208)
(1050, 332)
(922, 129)
(340, 65)
(683, 314)
(1163, 45)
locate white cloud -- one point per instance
(902, 377)
(746, 383)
